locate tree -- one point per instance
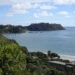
(12, 59)
(49, 53)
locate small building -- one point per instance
(72, 63)
(60, 65)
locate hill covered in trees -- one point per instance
(32, 27)
(12, 29)
(45, 27)
(16, 60)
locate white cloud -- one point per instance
(47, 7)
(36, 5)
(20, 11)
(63, 13)
(5, 2)
(38, 1)
(11, 2)
(23, 6)
(42, 14)
(64, 1)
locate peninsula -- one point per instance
(45, 27)
(31, 27)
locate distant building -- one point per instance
(60, 65)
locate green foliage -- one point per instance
(33, 27)
(56, 72)
(44, 27)
(52, 55)
(24, 49)
(40, 55)
(12, 59)
(49, 53)
(12, 29)
(16, 60)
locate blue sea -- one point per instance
(61, 41)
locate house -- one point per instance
(62, 66)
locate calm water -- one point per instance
(62, 42)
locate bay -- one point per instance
(61, 42)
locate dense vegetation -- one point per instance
(11, 29)
(12, 59)
(44, 27)
(16, 60)
(32, 27)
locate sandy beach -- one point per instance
(68, 57)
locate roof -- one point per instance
(73, 62)
(58, 62)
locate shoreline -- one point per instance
(68, 57)
(71, 58)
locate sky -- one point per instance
(25, 12)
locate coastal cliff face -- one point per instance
(45, 27)
(32, 27)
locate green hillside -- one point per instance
(12, 59)
(16, 60)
